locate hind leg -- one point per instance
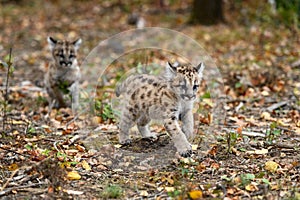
(143, 127)
(127, 121)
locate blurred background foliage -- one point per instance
(286, 12)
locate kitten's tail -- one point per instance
(119, 89)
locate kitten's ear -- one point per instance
(77, 43)
(171, 68)
(200, 68)
(52, 42)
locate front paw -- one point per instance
(151, 137)
(186, 153)
(125, 142)
(185, 150)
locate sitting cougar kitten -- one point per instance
(63, 74)
(168, 98)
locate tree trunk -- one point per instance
(207, 12)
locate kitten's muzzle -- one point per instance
(65, 64)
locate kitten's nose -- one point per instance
(188, 96)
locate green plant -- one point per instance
(46, 152)
(60, 154)
(174, 194)
(246, 179)
(272, 133)
(31, 130)
(289, 11)
(105, 110)
(232, 138)
(112, 191)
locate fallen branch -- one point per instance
(281, 145)
(4, 192)
(277, 105)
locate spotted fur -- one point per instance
(63, 74)
(168, 98)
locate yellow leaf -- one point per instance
(251, 187)
(73, 175)
(271, 166)
(282, 123)
(195, 194)
(13, 167)
(86, 166)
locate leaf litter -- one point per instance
(254, 155)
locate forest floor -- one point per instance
(252, 153)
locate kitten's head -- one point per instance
(64, 52)
(185, 79)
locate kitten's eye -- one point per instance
(195, 87)
(72, 56)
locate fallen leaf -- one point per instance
(73, 192)
(258, 152)
(251, 187)
(79, 147)
(73, 175)
(266, 116)
(118, 146)
(13, 167)
(144, 193)
(195, 194)
(85, 165)
(170, 189)
(271, 166)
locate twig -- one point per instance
(9, 150)
(9, 179)
(253, 134)
(20, 187)
(6, 90)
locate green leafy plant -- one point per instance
(246, 179)
(272, 133)
(31, 130)
(175, 193)
(107, 112)
(289, 11)
(104, 110)
(46, 152)
(112, 191)
(60, 154)
(232, 138)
